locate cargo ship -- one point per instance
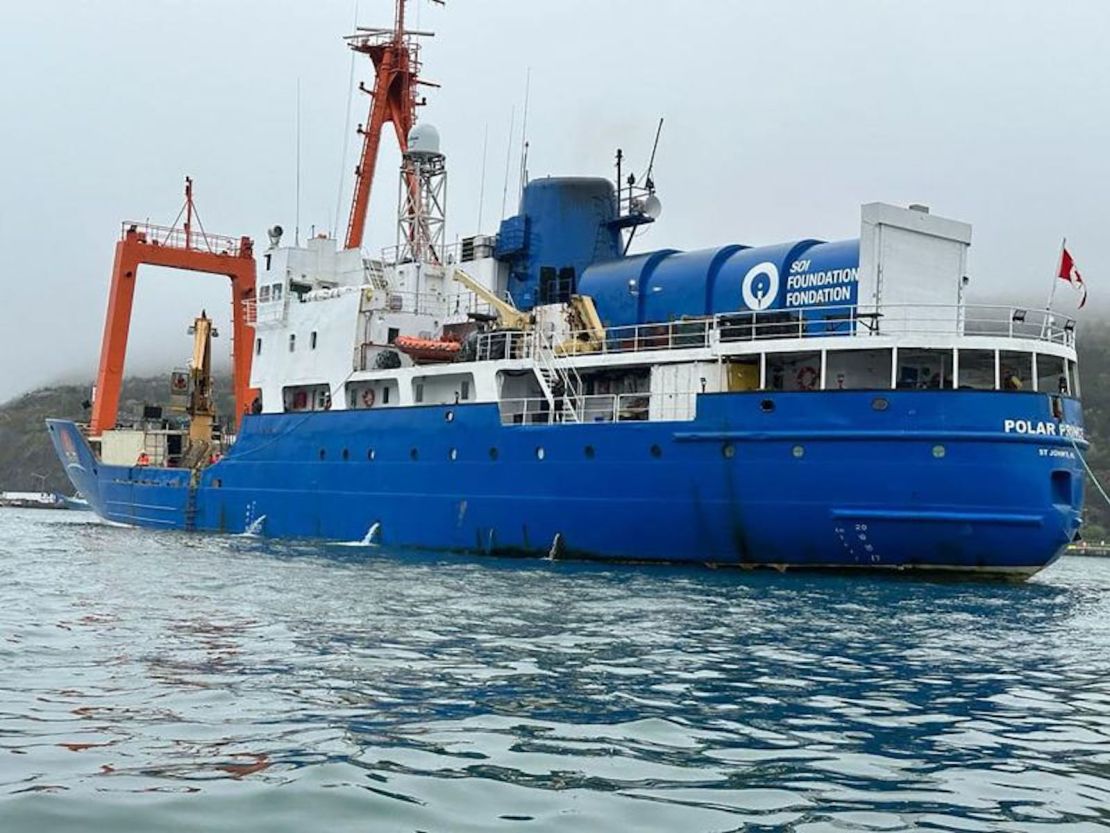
(542, 389)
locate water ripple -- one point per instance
(178, 682)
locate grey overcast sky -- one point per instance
(782, 117)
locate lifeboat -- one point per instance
(428, 350)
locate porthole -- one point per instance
(323, 454)
(728, 450)
(767, 405)
(370, 454)
(589, 452)
(493, 453)
(414, 454)
(346, 454)
(880, 403)
(799, 452)
(454, 455)
(656, 451)
(540, 453)
(939, 451)
(449, 416)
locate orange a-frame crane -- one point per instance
(176, 248)
(396, 58)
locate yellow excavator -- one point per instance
(200, 403)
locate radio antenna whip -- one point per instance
(508, 160)
(524, 133)
(482, 183)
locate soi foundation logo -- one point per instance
(760, 287)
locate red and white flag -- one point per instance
(1069, 273)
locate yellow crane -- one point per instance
(201, 406)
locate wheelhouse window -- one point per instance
(858, 369)
(924, 369)
(1015, 370)
(977, 369)
(1052, 374)
(794, 371)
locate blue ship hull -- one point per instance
(830, 479)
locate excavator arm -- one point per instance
(508, 316)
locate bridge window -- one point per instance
(1015, 370)
(1052, 374)
(264, 294)
(924, 369)
(276, 295)
(977, 369)
(858, 369)
(794, 371)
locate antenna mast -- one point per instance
(395, 54)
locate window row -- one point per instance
(312, 341)
(905, 369)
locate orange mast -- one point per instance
(395, 55)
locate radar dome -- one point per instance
(423, 141)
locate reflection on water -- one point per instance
(170, 681)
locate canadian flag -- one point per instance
(1069, 273)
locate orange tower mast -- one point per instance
(395, 54)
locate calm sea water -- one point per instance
(171, 682)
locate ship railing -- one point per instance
(600, 408)
(177, 238)
(892, 320)
(442, 304)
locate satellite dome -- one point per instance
(423, 141)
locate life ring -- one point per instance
(368, 397)
(807, 377)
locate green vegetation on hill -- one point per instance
(26, 451)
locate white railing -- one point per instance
(820, 322)
(622, 407)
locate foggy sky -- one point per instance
(782, 117)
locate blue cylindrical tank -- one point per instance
(565, 225)
(667, 285)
